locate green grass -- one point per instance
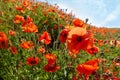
(14, 67)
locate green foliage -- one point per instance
(14, 67)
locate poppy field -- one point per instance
(39, 41)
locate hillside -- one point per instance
(39, 41)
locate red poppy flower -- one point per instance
(26, 3)
(27, 45)
(13, 49)
(41, 49)
(63, 35)
(87, 68)
(78, 22)
(19, 8)
(79, 38)
(100, 42)
(27, 20)
(93, 50)
(3, 40)
(45, 38)
(51, 68)
(12, 33)
(51, 58)
(18, 19)
(30, 27)
(32, 61)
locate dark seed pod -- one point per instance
(25, 17)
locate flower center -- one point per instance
(64, 35)
(79, 38)
(33, 62)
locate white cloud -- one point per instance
(96, 10)
(113, 15)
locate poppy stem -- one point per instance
(55, 44)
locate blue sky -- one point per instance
(101, 13)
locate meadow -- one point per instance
(39, 41)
